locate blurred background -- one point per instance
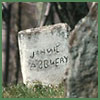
(24, 15)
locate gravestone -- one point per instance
(82, 70)
(44, 53)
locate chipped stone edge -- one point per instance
(50, 27)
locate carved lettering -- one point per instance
(40, 64)
(46, 63)
(56, 62)
(61, 60)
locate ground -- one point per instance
(38, 91)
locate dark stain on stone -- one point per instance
(72, 38)
(29, 35)
(66, 73)
(52, 32)
(56, 27)
(36, 32)
(68, 29)
(86, 28)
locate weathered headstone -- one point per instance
(82, 70)
(44, 53)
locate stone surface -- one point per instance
(44, 53)
(82, 70)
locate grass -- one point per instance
(38, 91)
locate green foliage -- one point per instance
(38, 91)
